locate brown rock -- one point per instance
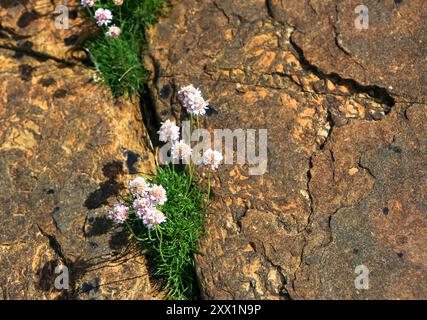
(66, 150)
(388, 56)
(375, 217)
(299, 230)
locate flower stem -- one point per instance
(191, 126)
(133, 234)
(190, 179)
(190, 169)
(209, 183)
(160, 237)
(149, 235)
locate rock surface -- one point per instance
(389, 54)
(346, 117)
(66, 150)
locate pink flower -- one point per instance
(181, 150)
(192, 100)
(157, 194)
(212, 158)
(113, 32)
(153, 217)
(89, 3)
(142, 205)
(169, 131)
(146, 199)
(103, 17)
(138, 186)
(119, 213)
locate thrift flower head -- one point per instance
(169, 131)
(181, 150)
(103, 17)
(212, 158)
(145, 199)
(142, 206)
(89, 3)
(138, 186)
(113, 31)
(192, 100)
(157, 194)
(118, 2)
(153, 217)
(119, 213)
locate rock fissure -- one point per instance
(378, 94)
(38, 55)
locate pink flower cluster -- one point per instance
(181, 150)
(193, 100)
(104, 17)
(119, 213)
(146, 198)
(88, 3)
(212, 158)
(169, 131)
(113, 32)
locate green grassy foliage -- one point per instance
(119, 59)
(172, 244)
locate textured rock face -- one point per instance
(346, 176)
(66, 150)
(389, 54)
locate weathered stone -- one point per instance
(340, 151)
(388, 56)
(374, 216)
(66, 150)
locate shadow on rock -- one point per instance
(47, 275)
(108, 188)
(99, 226)
(119, 240)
